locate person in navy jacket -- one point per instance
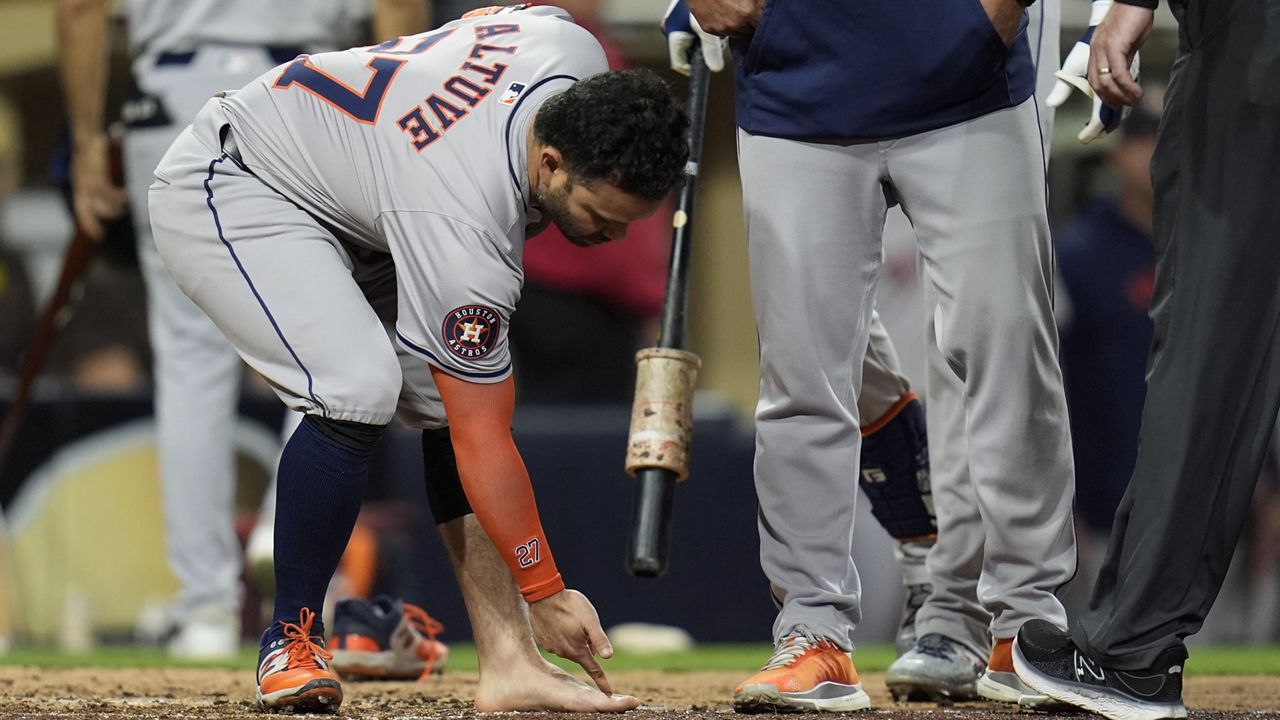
(845, 110)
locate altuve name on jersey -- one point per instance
(427, 121)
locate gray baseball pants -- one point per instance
(975, 194)
(955, 564)
(197, 372)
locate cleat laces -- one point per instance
(794, 648)
(428, 626)
(301, 649)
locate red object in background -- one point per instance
(631, 273)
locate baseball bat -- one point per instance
(56, 314)
(649, 546)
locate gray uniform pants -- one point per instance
(883, 380)
(197, 372)
(1213, 381)
(967, 603)
(975, 194)
(955, 563)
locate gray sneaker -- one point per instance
(937, 669)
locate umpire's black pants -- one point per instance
(1213, 382)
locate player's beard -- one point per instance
(554, 204)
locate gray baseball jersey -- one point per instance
(416, 148)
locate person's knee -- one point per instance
(977, 330)
(356, 417)
(373, 392)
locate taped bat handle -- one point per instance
(649, 548)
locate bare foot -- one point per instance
(544, 686)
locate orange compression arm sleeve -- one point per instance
(495, 480)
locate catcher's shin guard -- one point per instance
(895, 471)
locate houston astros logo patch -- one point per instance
(471, 331)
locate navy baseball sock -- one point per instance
(323, 472)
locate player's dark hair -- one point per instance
(623, 127)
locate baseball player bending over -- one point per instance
(184, 51)
(398, 183)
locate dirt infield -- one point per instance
(37, 694)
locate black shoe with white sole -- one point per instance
(1048, 660)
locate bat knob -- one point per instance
(649, 547)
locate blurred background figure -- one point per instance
(103, 346)
(183, 53)
(1106, 266)
(17, 314)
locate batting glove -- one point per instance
(681, 29)
(1104, 118)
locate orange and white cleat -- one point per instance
(386, 639)
(294, 671)
(805, 674)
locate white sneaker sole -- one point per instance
(996, 691)
(826, 697)
(315, 696)
(1097, 700)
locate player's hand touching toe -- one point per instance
(566, 624)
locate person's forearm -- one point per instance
(498, 489)
(495, 480)
(82, 60)
(396, 18)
